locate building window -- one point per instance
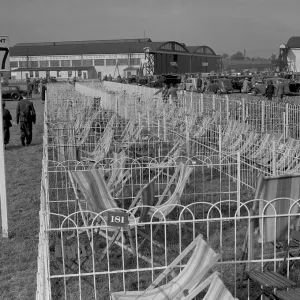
(33, 64)
(23, 64)
(69, 74)
(135, 61)
(123, 61)
(14, 64)
(111, 62)
(65, 63)
(76, 63)
(54, 63)
(87, 62)
(99, 75)
(44, 63)
(30, 74)
(99, 62)
(37, 74)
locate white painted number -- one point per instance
(117, 219)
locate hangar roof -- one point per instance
(85, 47)
(106, 47)
(294, 42)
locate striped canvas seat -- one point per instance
(279, 195)
(201, 261)
(216, 291)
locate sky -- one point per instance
(227, 26)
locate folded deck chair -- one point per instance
(286, 190)
(200, 262)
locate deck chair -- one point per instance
(98, 199)
(271, 281)
(285, 189)
(216, 291)
(291, 294)
(201, 261)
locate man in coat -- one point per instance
(26, 116)
(280, 89)
(6, 124)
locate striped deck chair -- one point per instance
(200, 262)
(98, 199)
(117, 167)
(216, 290)
(286, 190)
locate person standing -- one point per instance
(270, 89)
(26, 116)
(6, 124)
(280, 89)
(164, 91)
(29, 89)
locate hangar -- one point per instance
(95, 59)
(289, 56)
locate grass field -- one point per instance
(18, 253)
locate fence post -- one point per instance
(220, 144)
(274, 157)
(238, 183)
(284, 125)
(214, 103)
(158, 128)
(263, 116)
(227, 108)
(287, 119)
(187, 134)
(165, 126)
(148, 119)
(201, 103)
(243, 110)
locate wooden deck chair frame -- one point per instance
(201, 261)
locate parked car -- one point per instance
(220, 86)
(191, 84)
(259, 88)
(12, 92)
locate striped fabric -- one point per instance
(273, 229)
(200, 262)
(147, 199)
(94, 189)
(286, 187)
(117, 167)
(217, 290)
(165, 208)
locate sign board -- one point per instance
(4, 53)
(205, 64)
(117, 219)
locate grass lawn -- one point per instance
(18, 253)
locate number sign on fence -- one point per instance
(117, 219)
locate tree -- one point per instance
(225, 55)
(273, 57)
(239, 55)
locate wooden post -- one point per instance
(214, 103)
(274, 160)
(3, 198)
(287, 120)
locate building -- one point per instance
(289, 56)
(241, 65)
(95, 59)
